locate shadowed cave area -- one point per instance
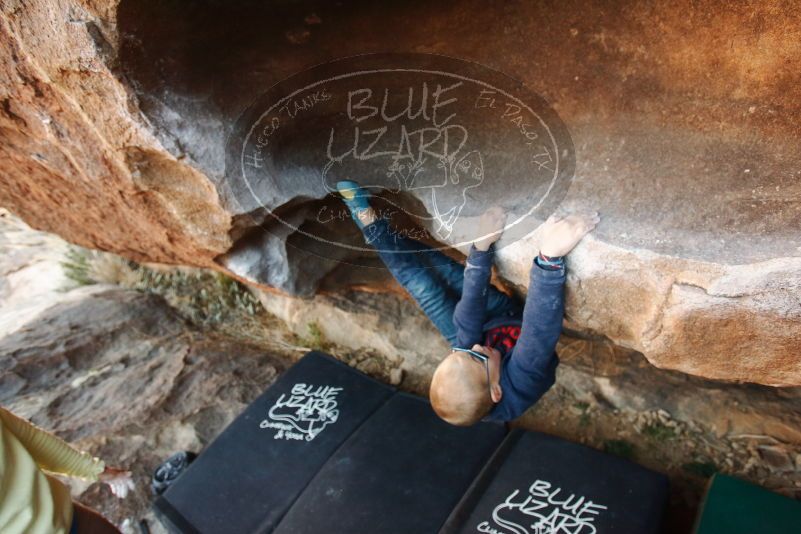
(663, 180)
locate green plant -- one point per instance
(619, 447)
(659, 431)
(584, 416)
(203, 297)
(315, 339)
(76, 265)
(584, 419)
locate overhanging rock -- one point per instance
(115, 117)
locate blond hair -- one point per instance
(459, 394)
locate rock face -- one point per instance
(78, 157)
(115, 120)
(593, 371)
(128, 378)
(120, 374)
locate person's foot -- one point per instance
(357, 199)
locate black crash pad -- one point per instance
(540, 484)
(402, 472)
(249, 476)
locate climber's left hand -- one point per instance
(490, 227)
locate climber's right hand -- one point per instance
(561, 234)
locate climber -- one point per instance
(32, 502)
(502, 358)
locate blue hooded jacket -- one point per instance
(528, 370)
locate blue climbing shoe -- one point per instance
(355, 197)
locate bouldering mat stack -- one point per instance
(538, 484)
(402, 472)
(733, 506)
(249, 476)
(327, 449)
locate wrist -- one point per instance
(549, 262)
(484, 244)
(552, 251)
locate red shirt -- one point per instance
(502, 337)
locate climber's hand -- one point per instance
(561, 234)
(119, 481)
(490, 227)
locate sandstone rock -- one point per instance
(120, 374)
(595, 372)
(115, 116)
(78, 157)
(124, 376)
(776, 457)
(599, 372)
(31, 277)
(386, 324)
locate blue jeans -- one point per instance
(432, 279)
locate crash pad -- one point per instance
(540, 484)
(248, 477)
(402, 472)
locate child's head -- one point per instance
(459, 390)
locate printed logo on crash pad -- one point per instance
(543, 509)
(303, 413)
